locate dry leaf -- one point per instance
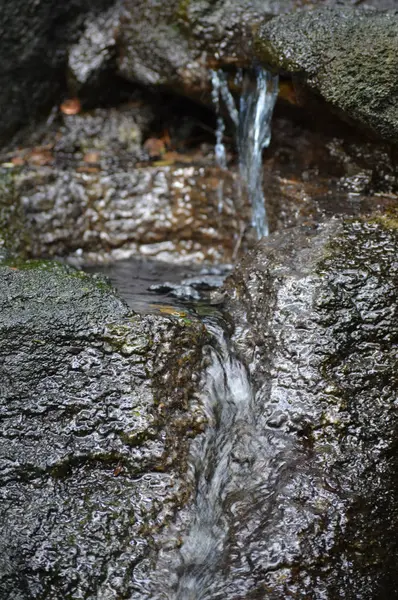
(87, 169)
(18, 161)
(91, 157)
(40, 157)
(118, 470)
(71, 106)
(154, 147)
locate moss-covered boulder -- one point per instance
(347, 55)
(96, 415)
(312, 497)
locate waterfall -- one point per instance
(239, 466)
(253, 130)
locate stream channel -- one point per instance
(236, 464)
(229, 461)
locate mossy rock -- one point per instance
(346, 55)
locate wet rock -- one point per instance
(104, 135)
(313, 170)
(162, 212)
(173, 44)
(192, 288)
(314, 509)
(96, 419)
(346, 55)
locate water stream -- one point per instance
(227, 397)
(235, 534)
(253, 131)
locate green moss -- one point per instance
(388, 220)
(182, 11)
(124, 339)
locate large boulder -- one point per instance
(167, 213)
(309, 508)
(97, 414)
(347, 55)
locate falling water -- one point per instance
(253, 126)
(219, 150)
(227, 399)
(254, 134)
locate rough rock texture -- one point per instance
(175, 43)
(86, 48)
(347, 55)
(95, 422)
(315, 317)
(34, 36)
(164, 212)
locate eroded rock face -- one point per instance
(347, 55)
(166, 212)
(315, 318)
(96, 419)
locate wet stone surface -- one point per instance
(96, 421)
(103, 185)
(323, 168)
(314, 515)
(96, 187)
(165, 212)
(347, 55)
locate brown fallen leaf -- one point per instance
(72, 106)
(18, 161)
(87, 169)
(91, 157)
(154, 147)
(118, 470)
(287, 92)
(40, 156)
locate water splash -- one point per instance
(253, 129)
(227, 397)
(240, 467)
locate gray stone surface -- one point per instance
(315, 322)
(347, 55)
(159, 212)
(96, 416)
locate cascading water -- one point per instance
(219, 149)
(238, 465)
(253, 125)
(227, 397)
